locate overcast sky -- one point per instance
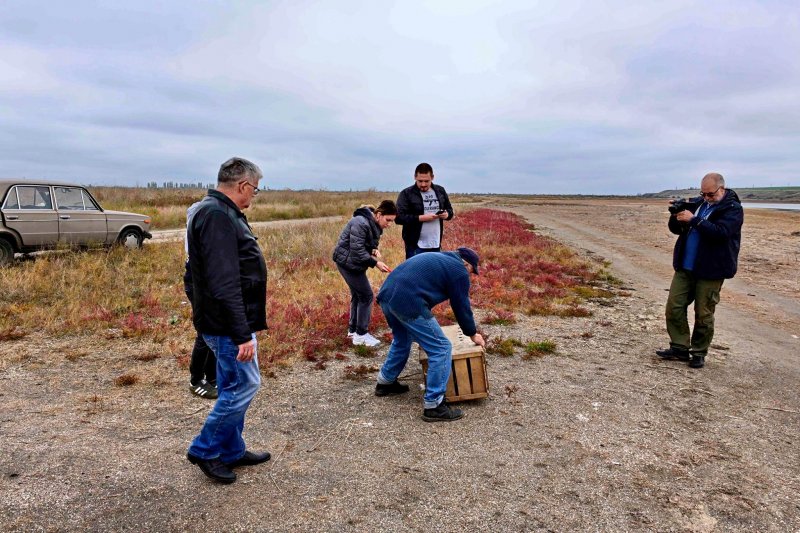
(499, 96)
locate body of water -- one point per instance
(786, 207)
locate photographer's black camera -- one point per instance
(682, 205)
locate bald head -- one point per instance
(712, 188)
(713, 179)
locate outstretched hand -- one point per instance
(383, 267)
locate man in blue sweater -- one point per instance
(706, 254)
(406, 298)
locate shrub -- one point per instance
(126, 380)
(538, 349)
(502, 347)
(500, 318)
(358, 372)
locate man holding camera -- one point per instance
(422, 209)
(709, 230)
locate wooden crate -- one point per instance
(468, 378)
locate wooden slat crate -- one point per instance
(468, 378)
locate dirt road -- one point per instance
(601, 436)
(761, 306)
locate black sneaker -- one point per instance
(673, 354)
(698, 361)
(204, 389)
(392, 388)
(442, 413)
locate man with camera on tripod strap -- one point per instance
(709, 230)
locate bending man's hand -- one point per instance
(246, 351)
(383, 267)
(478, 339)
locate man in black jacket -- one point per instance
(229, 284)
(706, 253)
(422, 209)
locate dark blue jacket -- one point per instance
(426, 280)
(409, 208)
(720, 238)
(228, 271)
(358, 239)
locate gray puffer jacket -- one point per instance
(357, 241)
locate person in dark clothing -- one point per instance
(355, 252)
(406, 299)
(229, 296)
(706, 253)
(422, 209)
(203, 362)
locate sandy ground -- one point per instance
(601, 435)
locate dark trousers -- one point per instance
(203, 364)
(411, 252)
(684, 290)
(361, 297)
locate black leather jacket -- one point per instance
(409, 208)
(228, 271)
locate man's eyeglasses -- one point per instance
(256, 190)
(710, 194)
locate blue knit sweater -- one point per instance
(426, 280)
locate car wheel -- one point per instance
(6, 253)
(130, 238)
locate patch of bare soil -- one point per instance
(601, 435)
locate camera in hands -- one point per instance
(682, 204)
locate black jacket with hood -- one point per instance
(357, 241)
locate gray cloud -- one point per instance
(501, 97)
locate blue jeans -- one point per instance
(431, 338)
(221, 436)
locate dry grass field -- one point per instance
(119, 293)
(167, 207)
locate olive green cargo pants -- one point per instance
(684, 290)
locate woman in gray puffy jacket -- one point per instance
(355, 252)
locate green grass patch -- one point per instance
(538, 349)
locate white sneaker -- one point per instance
(366, 340)
(351, 334)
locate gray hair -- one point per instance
(718, 180)
(237, 169)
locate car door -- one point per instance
(28, 210)
(80, 220)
